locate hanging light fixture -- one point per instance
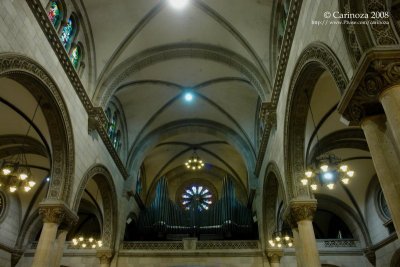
(281, 239)
(86, 242)
(15, 172)
(194, 162)
(327, 169)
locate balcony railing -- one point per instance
(192, 244)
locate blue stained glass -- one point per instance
(66, 33)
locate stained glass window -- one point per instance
(75, 56)
(54, 13)
(117, 140)
(67, 32)
(112, 127)
(196, 197)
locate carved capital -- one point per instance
(104, 255)
(57, 212)
(302, 209)
(274, 255)
(378, 70)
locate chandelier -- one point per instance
(90, 242)
(281, 239)
(194, 162)
(328, 170)
(15, 172)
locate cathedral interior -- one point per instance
(199, 133)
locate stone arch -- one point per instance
(39, 83)
(273, 184)
(102, 177)
(174, 51)
(313, 61)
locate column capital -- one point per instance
(378, 70)
(105, 255)
(57, 212)
(302, 209)
(274, 255)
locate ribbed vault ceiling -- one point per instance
(148, 55)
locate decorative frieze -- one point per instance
(378, 70)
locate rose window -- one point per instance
(196, 197)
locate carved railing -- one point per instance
(241, 244)
(338, 244)
(172, 245)
(199, 245)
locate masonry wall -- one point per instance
(20, 33)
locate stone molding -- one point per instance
(274, 255)
(104, 255)
(378, 70)
(302, 209)
(291, 24)
(57, 212)
(97, 118)
(268, 110)
(268, 118)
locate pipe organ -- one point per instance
(227, 218)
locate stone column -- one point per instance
(390, 99)
(372, 101)
(302, 212)
(386, 162)
(54, 214)
(274, 256)
(105, 256)
(297, 245)
(58, 249)
(52, 217)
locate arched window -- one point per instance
(112, 127)
(75, 56)
(54, 13)
(68, 32)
